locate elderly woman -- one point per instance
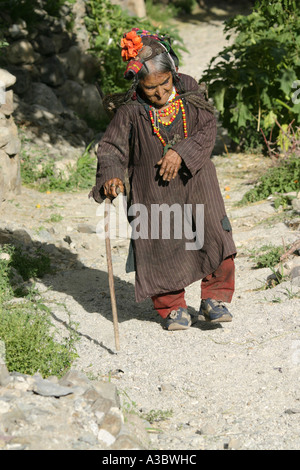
(162, 136)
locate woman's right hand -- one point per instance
(110, 188)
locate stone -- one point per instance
(23, 78)
(70, 93)
(7, 107)
(74, 377)
(105, 437)
(17, 30)
(52, 72)
(84, 228)
(10, 176)
(296, 205)
(109, 391)
(43, 95)
(44, 45)
(6, 78)
(4, 375)
(112, 422)
(21, 52)
(13, 147)
(70, 61)
(47, 388)
(91, 103)
(4, 137)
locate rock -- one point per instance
(207, 429)
(296, 205)
(41, 94)
(18, 30)
(21, 52)
(70, 93)
(7, 107)
(47, 388)
(44, 45)
(91, 103)
(23, 78)
(70, 62)
(4, 136)
(10, 177)
(234, 444)
(7, 79)
(52, 72)
(53, 417)
(83, 228)
(4, 375)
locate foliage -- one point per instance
(251, 80)
(31, 343)
(267, 256)
(47, 178)
(280, 179)
(106, 24)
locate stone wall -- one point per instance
(55, 100)
(10, 180)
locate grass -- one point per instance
(32, 344)
(281, 179)
(268, 256)
(42, 174)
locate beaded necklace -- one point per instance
(154, 118)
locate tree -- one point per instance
(252, 80)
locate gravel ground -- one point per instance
(234, 385)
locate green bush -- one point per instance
(31, 342)
(281, 179)
(43, 175)
(251, 81)
(267, 256)
(106, 24)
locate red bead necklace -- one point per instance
(173, 108)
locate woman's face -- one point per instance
(157, 88)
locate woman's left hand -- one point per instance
(170, 165)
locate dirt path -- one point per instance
(232, 386)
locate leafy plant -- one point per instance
(280, 179)
(48, 178)
(251, 81)
(267, 256)
(106, 24)
(31, 342)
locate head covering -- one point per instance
(139, 46)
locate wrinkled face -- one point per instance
(157, 88)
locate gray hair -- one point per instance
(161, 63)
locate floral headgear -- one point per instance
(138, 46)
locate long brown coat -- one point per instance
(165, 265)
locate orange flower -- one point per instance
(130, 44)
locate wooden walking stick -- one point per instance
(110, 273)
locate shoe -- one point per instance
(214, 311)
(179, 319)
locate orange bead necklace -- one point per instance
(155, 118)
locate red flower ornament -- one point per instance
(131, 44)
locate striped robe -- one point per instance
(163, 263)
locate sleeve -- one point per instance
(196, 149)
(113, 152)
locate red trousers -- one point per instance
(219, 286)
